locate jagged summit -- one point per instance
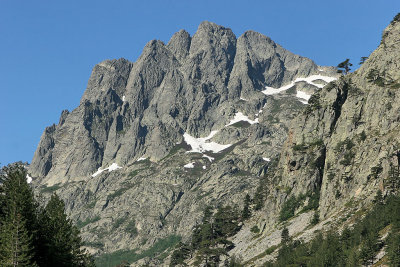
(169, 90)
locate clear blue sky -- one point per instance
(48, 48)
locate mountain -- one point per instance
(195, 122)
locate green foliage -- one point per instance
(176, 148)
(288, 209)
(352, 247)
(31, 235)
(315, 218)
(99, 245)
(18, 218)
(299, 147)
(293, 203)
(131, 228)
(393, 180)
(362, 60)
(241, 124)
(376, 171)
(313, 104)
(209, 238)
(246, 213)
(118, 222)
(50, 189)
(376, 78)
(60, 237)
(130, 256)
(395, 19)
(255, 229)
(347, 158)
(344, 67)
(285, 237)
(313, 201)
(363, 136)
(81, 224)
(133, 173)
(345, 144)
(117, 193)
(15, 241)
(181, 253)
(262, 188)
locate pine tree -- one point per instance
(62, 244)
(344, 67)
(393, 249)
(18, 208)
(285, 238)
(15, 245)
(246, 213)
(362, 60)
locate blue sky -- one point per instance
(48, 48)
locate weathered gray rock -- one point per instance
(132, 111)
(344, 145)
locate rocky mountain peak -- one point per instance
(179, 44)
(191, 84)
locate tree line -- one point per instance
(32, 234)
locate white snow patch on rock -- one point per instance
(241, 98)
(189, 165)
(140, 159)
(309, 80)
(201, 145)
(274, 91)
(28, 179)
(267, 159)
(241, 117)
(303, 97)
(204, 167)
(312, 78)
(111, 168)
(123, 98)
(208, 157)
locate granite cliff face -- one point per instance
(191, 123)
(341, 149)
(192, 84)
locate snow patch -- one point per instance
(241, 98)
(201, 145)
(309, 80)
(241, 117)
(111, 168)
(303, 97)
(28, 179)
(312, 78)
(204, 167)
(189, 165)
(274, 91)
(123, 98)
(140, 159)
(267, 159)
(208, 157)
